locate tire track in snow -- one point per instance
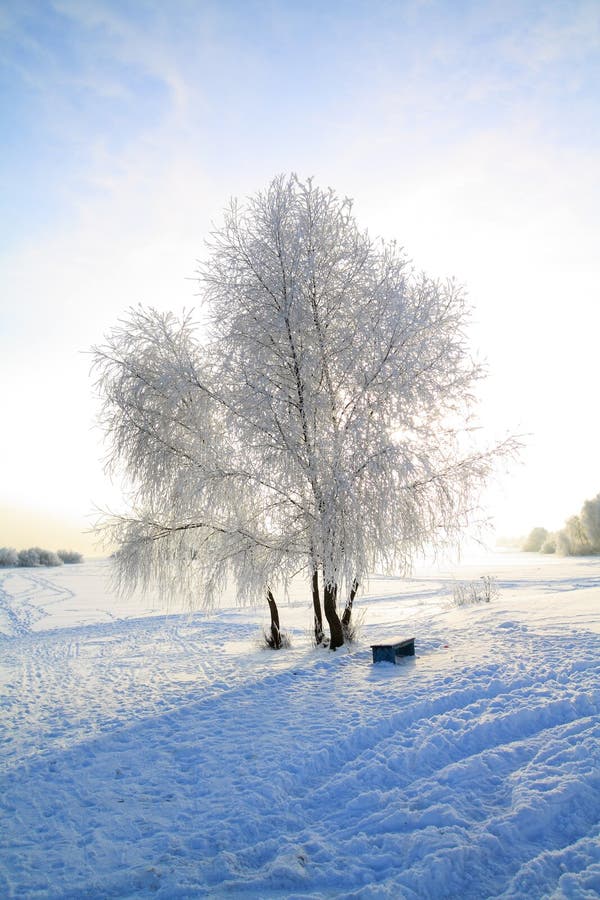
(416, 814)
(516, 740)
(256, 868)
(300, 793)
(17, 612)
(43, 585)
(572, 870)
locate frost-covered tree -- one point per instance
(37, 556)
(590, 520)
(29, 557)
(581, 534)
(317, 421)
(70, 557)
(49, 558)
(549, 545)
(572, 540)
(535, 540)
(579, 537)
(8, 557)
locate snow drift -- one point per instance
(154, 755)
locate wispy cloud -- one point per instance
(459, 128)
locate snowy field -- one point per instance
(153, 755)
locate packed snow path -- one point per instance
(165, 756)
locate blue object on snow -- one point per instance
(388, 652)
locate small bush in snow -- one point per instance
(467, 593)
(312, 638)
(70, 556)
(8, 557)
(30, 557)
(37, 556)
(353, 629)
(49, 558)
(268, 642)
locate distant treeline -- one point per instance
(35, 556)
(579, 537)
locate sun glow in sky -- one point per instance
(469, 131)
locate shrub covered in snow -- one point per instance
(353, 628)
(30, 557)
(70, 556)
(49, 558)
(467, 593)
(268, 641)
(8, 557)
(37, 556)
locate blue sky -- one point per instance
(85, 83)
(469, 131)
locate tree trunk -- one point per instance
(275, 641)
(318, 620)
(335, 626)
(348, 609)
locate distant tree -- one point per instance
(8, 557)
(590, 520)
(572, 540)
(321, 423)
(49, 558)
(36, 556)
(30, 557)
(70, 556)
(535, 540)
(549, 545)
(563, 545)
(579, 537)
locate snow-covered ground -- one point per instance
(146, 754)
